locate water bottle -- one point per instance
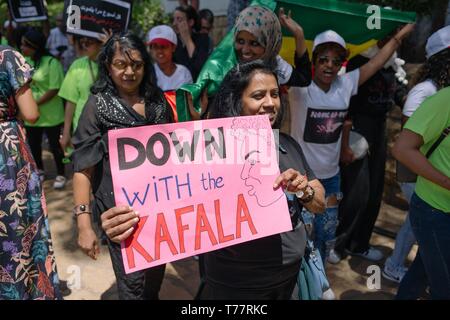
(67, 153)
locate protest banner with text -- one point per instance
(27, 10)
(89, 18)
(198, 186)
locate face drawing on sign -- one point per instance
(258, 183)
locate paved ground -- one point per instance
(348, 278)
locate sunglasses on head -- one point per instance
(337, 62)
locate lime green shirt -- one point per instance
(48, 76)
(4, 42)
(432, 117)
(77, 84)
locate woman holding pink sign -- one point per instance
(266, 268)
(125, 95)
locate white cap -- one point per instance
(162, 35)
(7, 22)
(328, 36)
(438, 41)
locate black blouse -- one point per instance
(199, 57)
(302, 73)
(104, 112)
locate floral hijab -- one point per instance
(265, 26)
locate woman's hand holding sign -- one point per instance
(293, 180)
(119, 222)
(310, 193)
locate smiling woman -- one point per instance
(265, 268)
(258, 36)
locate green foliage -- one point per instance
(3, 12)
(53, 8)
(146, 14)
(422, 7)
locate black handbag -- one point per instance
(404, 174)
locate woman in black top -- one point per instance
(124, 96)
(266, 268)
(194, 47)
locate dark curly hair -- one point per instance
(436, 68)
(228, 101)
(36, 40)
(126, 42)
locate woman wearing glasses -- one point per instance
(317, 117)
(125, 95)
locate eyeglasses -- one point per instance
(135, 65)
(325, 59)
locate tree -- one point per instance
(146, 14)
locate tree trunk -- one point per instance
(439, 15)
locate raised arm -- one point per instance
(296, 30)
(301, 74)
(377, 62)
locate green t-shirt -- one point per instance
(4, 42)
(432, 117)
(77, 84)
(48, 76)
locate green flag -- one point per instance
(359, 24)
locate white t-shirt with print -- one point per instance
(417, 95)
(317, 118)
(181, 76)
(283, 70)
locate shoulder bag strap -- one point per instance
(444, 134)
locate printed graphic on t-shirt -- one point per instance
(323, 126)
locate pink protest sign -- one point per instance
(198, 186)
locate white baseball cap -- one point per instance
(438, 41)
(328, 36)
(12, 22)
(163, 35)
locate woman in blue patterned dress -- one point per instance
(27, 264)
